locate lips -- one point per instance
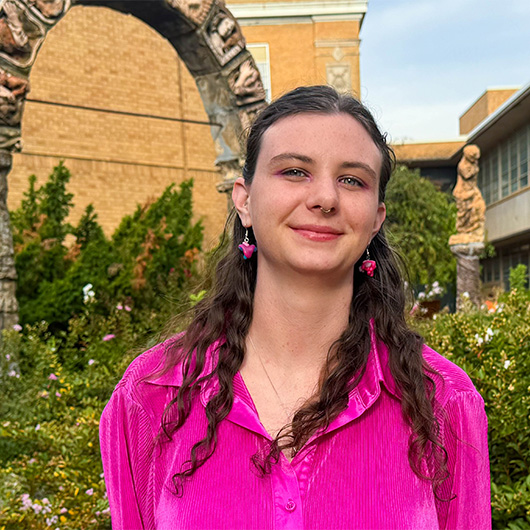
(317, 232)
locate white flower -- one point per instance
(465, 294)
(12, 373)
(507, 364)
(91, 362)
(435, 285)
(37, 427)
(88, 293)
(480, 340)
(489, 334)
(421, 295)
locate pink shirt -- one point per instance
(354, 475)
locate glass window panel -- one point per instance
(494, 172)
(505, 172)
(260, 54)
(514, 173)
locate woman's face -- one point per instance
(309, 163)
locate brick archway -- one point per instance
(204, 34)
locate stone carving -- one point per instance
(49, 8)
(471, 207)
(12, 95)
(248, 115)
(224, 36)
(20, 34)
(246, 84)
(339, 76)
(194, 10)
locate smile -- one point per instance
(317, 232)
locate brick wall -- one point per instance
(99, 58)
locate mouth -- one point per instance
(317, 232)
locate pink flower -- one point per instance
(58, 394)
(53, 377)
(127, 308)
(63, 510)
(90, 491)
(17, 327)
(37, 427)
(119, 307)
(91, 362)
(108, 337)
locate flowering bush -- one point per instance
(151, 256)
(492, 345)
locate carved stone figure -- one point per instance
(224, 36)
(49, 8)
(246, 84)
(12, 94)
(471, 207)
(21, 33)
(12, 36)
(195, 10)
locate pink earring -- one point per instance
(246, 247)
(368, 266)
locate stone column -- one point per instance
(467, 272)
(8, 274)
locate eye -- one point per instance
(294, 172)
(351, 181)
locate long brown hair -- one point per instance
(226, 314)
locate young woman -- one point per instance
(298, 398)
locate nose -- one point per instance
(323, 194)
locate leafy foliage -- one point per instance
(493, 348)
(150, 257)
(420, 220)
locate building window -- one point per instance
(260, 54)
(504, 169)
(496, 270)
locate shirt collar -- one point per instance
(362, 397)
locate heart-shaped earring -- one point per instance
(245, 247)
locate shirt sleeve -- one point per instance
(464, 498)
(126, 441)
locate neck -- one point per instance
(296, 318)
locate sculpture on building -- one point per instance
(246, 84)
(49, 8)
(471, 208)
(12, 94)
(21, 34)
(224, 36)
(194, 10)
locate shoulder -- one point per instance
(146, 383)
(451, 381)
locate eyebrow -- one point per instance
(309, 160)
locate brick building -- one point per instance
(111, 98)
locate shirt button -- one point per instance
(290, 506)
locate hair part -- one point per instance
(226, 313)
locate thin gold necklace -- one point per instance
(285, 409)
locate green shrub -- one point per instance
(150, 257)
(494, 349)
(420, 220)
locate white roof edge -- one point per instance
(498, 113)
(462, 138)
(303, 8)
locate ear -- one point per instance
(379, 219)
(241, 200)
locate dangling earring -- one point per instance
(246, 247)
(368, 266)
